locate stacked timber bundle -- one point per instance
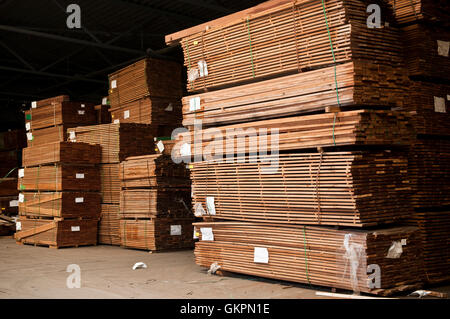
(47, 120)
(410, 11)
(370, 261)
(280, 37)
(118, 141)
(59, 203)
(155, 202)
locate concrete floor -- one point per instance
(106, 272)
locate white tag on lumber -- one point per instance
(193, 75)
(443, 48)
(28, 126)
(14, 203)
(203, 68)
(126, 114)
(72, 135)
(261, 255)
(207, 234)
(79, 200)
(21, 198)
(198, 210)
(34, 104)
(83, 105)
(18, 226)
(30, 136)
(185, 149)
(75, 228)
(160, 146)
(395, 251)
(194, 104)
(175, 230)
(79, 175)
(105, 101)
(448, 97)
(116, 122)
(21, 173)
(403, 241)
(113, 84)
(210, 206)
(81, 112)
(169, 108)
(439, 104)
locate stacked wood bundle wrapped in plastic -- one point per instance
(155, 202)
(118, 141)
(342, 258)
(59, 203)
(280, 37)
(47, 120)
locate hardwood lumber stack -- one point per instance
(408, 11)
(109, 224)
(434, 228)
(110, 183)
(362, 127)
(360, 83)
(157, 233)
(333, 188)
(57, 233)
(48, 135)
(103, 116)
(339, 258)
(281, 37)
(118, 141)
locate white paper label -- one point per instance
(169, 108)
(185, 149)
(193, 74)
(30, 136)
(105, 101)
(175, 230)
(203, 68)
(14, 203)
(28, 126)
(443, 48)
(261, 255)
(21, 198)
(448, 97)
(79, 200)
(72, 135)
(126, 114)
(160, 146)
(194, 104)
(18, 226)
(207, 234)
(113, 84)
(439, 104)
(198, 209)
(116, 122)
(395, 251)
(403, 241)
(80, 112)
(21, 173)
(82, 105)
(210, 205)
(79, 175)
(75, 228)
(34, 104)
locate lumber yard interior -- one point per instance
(225, 149)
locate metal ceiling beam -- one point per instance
(95, 32)
(66, 39)
(207, 5)
(28, 65)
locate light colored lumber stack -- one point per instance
(339, 258)
(280, 37)
(109, 224)
(110, 183)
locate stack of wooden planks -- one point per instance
(359, 83)
(361, 127)
(281, 37)
(351, 259)
(109, 224)
(408, 11)
(59, 203)
(7, 225)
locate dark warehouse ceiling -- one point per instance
(41, 57)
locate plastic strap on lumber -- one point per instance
(6, 176)
(36, 230)
(353, 256)
(250, 45)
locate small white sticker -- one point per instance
(18, 226)
(439, 105)
(193, 74)
(175, 230)
(207, 234)
(443, 48)
(116, 122)
(403, 241)
(82, 105)
(79, 200)
(448, 97)
(21, 173)
(28, 126)
(72, 135)
(79, 175)
(113, 84)
(203, 67)
(198, 209)
(105, 101)
(75, 228)
(169, 108)
(194, 104)
(160, 146)
(261, 255)
(21, 198)
(185, 149)
(34, 104)
(30, 136)
(126, 114)
(210, 205)
(14, 203)
(395, 251)
(80, 112)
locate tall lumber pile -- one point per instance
(299, 123)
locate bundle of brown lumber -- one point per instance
(147, 77)
(430, 103)
(61, 204)
(280, 37)
(12, 140)
(427, 51)
(110, 183)
(361, 127)
(429, 169)
(407, 11)
(9, 205)
(360, 83)
(157, 234)
(48, 135)
(118, 141)
(372, 261)
(108, 227)
(357, 188)
(61, 152)
(103, 116)
(434, 228)
(57, 233)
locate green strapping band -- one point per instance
(250, 43)
(335, 75)
(4, 177)
(306, 256)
